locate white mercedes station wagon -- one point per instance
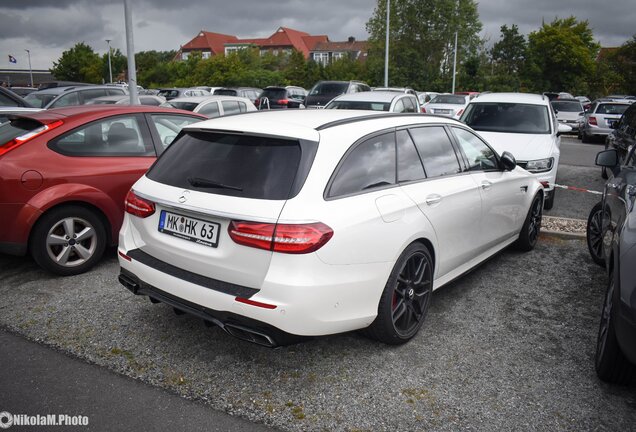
(281, 225)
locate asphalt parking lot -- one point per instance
(509, 346)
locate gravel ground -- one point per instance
(508, 347)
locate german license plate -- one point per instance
(191, 229)
(441, 111)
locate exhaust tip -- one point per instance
(129, 283)
(250, 335)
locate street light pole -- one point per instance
(130, 50)
(30, 70)
(386, 51)
(110, 69)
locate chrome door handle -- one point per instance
(486, 184)
(433, 199)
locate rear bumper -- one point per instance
(236, 325)
(306, 297)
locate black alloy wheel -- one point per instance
(406, 297)
(594, 233)
(531, 228)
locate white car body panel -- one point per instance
(469, 217)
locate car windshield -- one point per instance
(609, 108)
(274, 94)
(39, 100)
(235, 165)
(328, 88)
(188, 106)
(508, 117)
(568, 106)
(359, 105)
(449, 99)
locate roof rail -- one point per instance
(376, 116)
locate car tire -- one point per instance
(585, 138)
(548, 203)
(68, 240)
(594, 234)
(531, 228)
(406, 297)
(610, 362)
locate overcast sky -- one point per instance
(49, 27)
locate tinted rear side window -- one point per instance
(234, 165)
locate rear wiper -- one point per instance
(205, 183)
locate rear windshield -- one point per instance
(188, 106)
(15, 128)
(225, 92)
(327, 88)
(169, 93)
(449, 99)
(611, 109)
(234, 165)
(274, 94)
(507, 117)
(39, 100)
(567, 106)
(359, 105)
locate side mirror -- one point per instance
(562, 128)
(607, 158)
(508, 161)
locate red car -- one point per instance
(64, 175)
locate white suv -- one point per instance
(281, 224)
(524, 125)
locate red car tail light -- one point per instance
(138, 206)
(423, 110)
(592, 121)
(460, 112)
(285, 238)
(18, 141)
(282, 102)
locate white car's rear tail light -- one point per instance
(593, 121)
(138, 206)
(285, 238)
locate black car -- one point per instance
(323, 91)
(623, 135)
(611, 239)
(281, 98)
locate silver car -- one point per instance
(569, 112)
(600, 117)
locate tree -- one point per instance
(119, 65)
(80, 64)
(624, 63)
(560, 56)
(421, 41)
(507, 60)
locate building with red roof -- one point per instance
(283, 40)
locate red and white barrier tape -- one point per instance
(578, 189)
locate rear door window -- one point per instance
(210, 110)
(69, 99)
(435, 149)
(230, 107)
(370, 165)
(235, 165)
